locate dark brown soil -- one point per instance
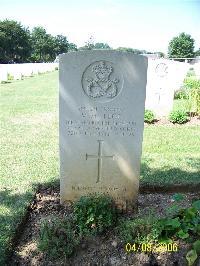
(102, 250)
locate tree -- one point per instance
(101, 45)
(72, 47)
(197, 53)
(131, 50)
(89, 45)
(181, 46)
(160, 54)
(42, 43)
(15, 44)
(61, 45)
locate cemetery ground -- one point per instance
(29, 158)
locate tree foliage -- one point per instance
(18, 44)
(101, 45)
(98, 45)
(89, 44)
(72, 47)
(46, 47)
(181, 46)
(131, 50)
(15, 44)
(197, 53)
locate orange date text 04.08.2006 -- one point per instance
(149, 247)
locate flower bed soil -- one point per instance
(105, 249)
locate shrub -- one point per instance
(181, 94)
(178, 223)
(192, 87)
(10, 77)
(94, 214)
(149, 116)
(58, 237)
(140, 230)
(178, 116)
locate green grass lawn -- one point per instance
(180, 104)
(29, 149)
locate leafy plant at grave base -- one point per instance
(192, 255)
(178, 116)
(94, 214)
(192, 88)
(58, 238)
(10, 77)
(184, 224)
(139, 230)
(180, 95)
(149, 116)
(179, 223)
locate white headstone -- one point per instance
(3, 73)
(102, 95)
(163, 79)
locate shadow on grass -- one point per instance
(5, 82)
(170, 180)
(13, 217)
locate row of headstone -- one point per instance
(18, 71)
(196, 68)
(164, 77)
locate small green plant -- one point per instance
(181, 94)
(95, 213)
(149, 116)
(10, 77)
(192, 87)
(183, 223)
(178, 223)
(58, 238)
(178, 116)
(192, 254)
(140, 230)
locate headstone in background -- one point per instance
(102, 95)
(163, 79)
(3, 73)
(14, 70)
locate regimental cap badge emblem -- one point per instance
(102, 81)
(161, 70)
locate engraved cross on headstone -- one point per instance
(159, 94)
(100, 159)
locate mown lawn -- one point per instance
(29, 149)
